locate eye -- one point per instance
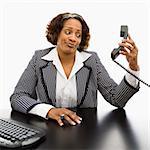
(67, 32)
(78, 35)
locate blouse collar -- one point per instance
(79, 59)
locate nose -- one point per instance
(73, 38)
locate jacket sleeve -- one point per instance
(24, 97)
(117, 95)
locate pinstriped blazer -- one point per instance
(38, 84)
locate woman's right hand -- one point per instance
(59, 114)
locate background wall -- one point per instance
(23, 25)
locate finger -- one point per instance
(67, 113)
(59, 121)
(129, 36)
(123, 52)
(76, 118)
(72, 115)
(129, 47)
(131, 42)
(69, 120)
(57, 117)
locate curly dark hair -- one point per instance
(56, 24)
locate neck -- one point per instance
(66, 58)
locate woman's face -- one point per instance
(70, 36)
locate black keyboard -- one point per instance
(15, 134)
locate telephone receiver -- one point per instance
(115, 53)
(124, 34)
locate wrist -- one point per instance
(134, 67)
(49, 113)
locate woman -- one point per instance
(67, 76)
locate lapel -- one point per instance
(48, 75)
(82, 79)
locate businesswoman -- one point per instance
(68, 76)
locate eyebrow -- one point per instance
(72, 28)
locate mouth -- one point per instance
(70, 45)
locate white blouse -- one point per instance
(66, 92)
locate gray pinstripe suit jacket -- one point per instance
(38, 84)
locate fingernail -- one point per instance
(61, 124)
(80, 118)
(78, 121)
(73, 123)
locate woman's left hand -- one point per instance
(130, 50)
